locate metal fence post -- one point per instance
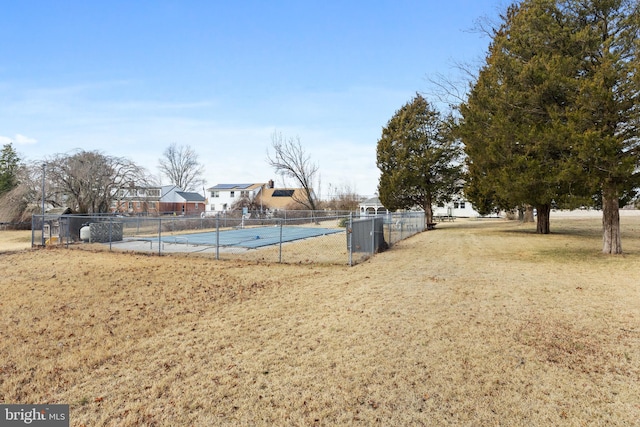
(350, 236)
(373, 235)
(111, 232)
(280, 251)
(217, 236)
(159, 236)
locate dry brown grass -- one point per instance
(477, 323)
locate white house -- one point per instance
(222, 196)
(458, 208)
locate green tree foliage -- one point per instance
(9, 168)
(553, 116)
(606, 114)
(418, 159)
(514, 122)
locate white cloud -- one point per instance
(25, 140)
(18, 139)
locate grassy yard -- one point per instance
(480, 322)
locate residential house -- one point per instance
(182, 203)
(457, 208)
(223, 196)
(282, 198)
(157, 200)
(135, 200)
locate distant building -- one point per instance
(157, 200)
(223, 196)
(283, 198)
(372, 206)
(457, 208)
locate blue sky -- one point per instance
(129, 78)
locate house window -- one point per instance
(462, 205)
(213, 207)
(232, 194)
(455, 205)
(130, 205)
(153, 192)
(152, 205)
(196, 205)
(215, 194)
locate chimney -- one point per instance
(271, 184)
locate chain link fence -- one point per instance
(321, 237)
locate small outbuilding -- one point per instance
(372, 206)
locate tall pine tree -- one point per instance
(606, 117)
(9, 166)
(418, 159)
(554, 115)
(514, 122)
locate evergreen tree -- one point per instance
(514, 122)
(554, 115)
(9, 168)
(418, 159)
(606, 116)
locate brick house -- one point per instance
(157, 200)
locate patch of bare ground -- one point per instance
(475, 323)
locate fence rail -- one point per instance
(291, 237)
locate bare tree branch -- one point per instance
(180, 164)
(87, 181)
(290, 160)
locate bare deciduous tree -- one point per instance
(14, 204)
(180, 164)
(290, 160)
(87, 181)
(343, 198)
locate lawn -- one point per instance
(480, 322)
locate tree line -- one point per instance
(550, 120)
(84, 181)
(89, 181)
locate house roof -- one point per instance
(282, 198)
(190, 197)
(166, 189)
(229, 187)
